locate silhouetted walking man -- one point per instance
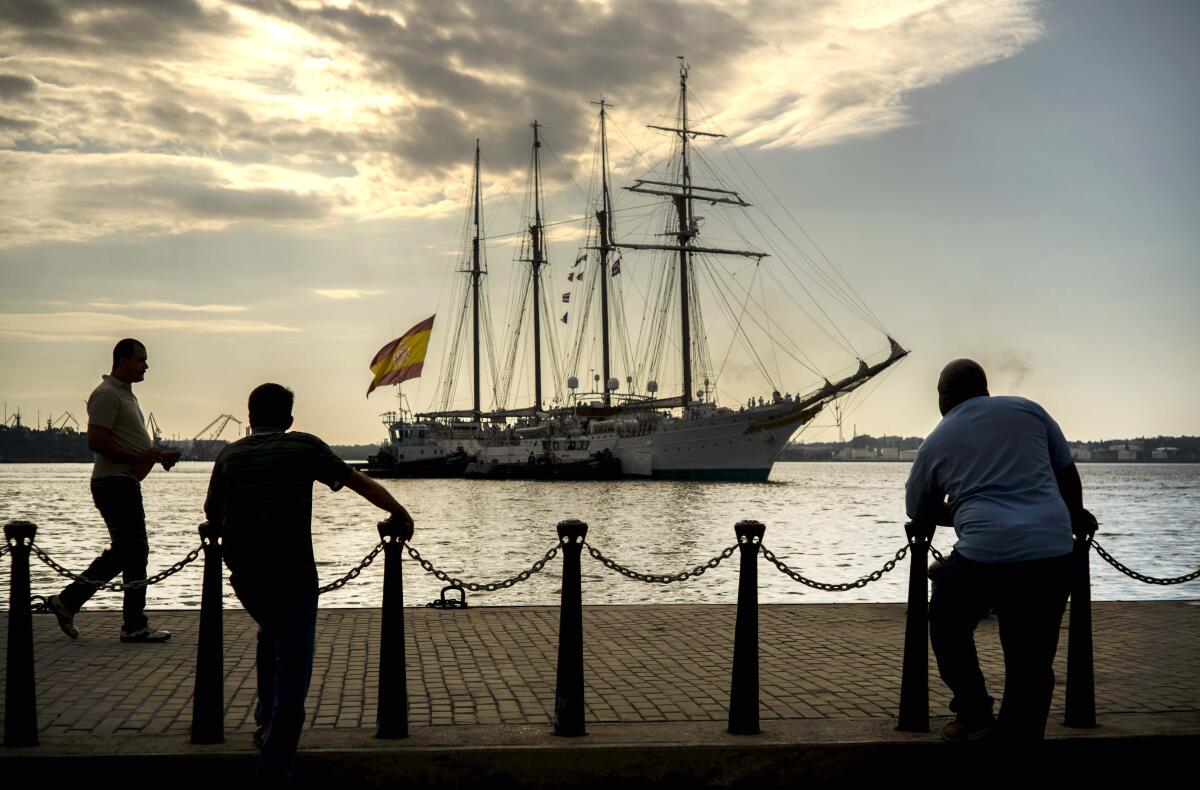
(1013, 494)
(260, 496)
(124, 455)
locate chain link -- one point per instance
(937, 555)
(354, 572)
(5, 550)
(659, 578)
(485, 586)
(862, 581)
(1141, 577)
(113, 586)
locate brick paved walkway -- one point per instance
(643, 664)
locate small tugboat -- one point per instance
(411, 453)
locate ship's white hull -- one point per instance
(709, 444)
(731, 446)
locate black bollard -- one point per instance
(743, 689)
(20, 694)
(568, 694)
(914, 677)
(208, 699)
(392, 703)
(1081, 680)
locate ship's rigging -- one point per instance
(676, 274)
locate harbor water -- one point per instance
(833, 522)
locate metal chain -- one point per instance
(659, 578)
(862, 581)
(354, 572)
(485, 586)
(937, 555)
(1141, 577)
(115, 587)
(5, 550)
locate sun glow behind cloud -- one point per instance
(310, 114)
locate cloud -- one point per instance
(346, 293)
(80, 197)
(168, 306)
(14, 86)
(144, 117)
(107, 26)
(17, 124)
(87, 326)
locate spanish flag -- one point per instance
(403, 358)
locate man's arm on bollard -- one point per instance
(370, 490)
(1083, 523)
(214, 502)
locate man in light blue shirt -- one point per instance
(999, 471)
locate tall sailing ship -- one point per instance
(603, 431)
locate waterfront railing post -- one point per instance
(20, 695)
(208, 698)
(914, 677)
(568, 693)
(743, 689)
(392, 703)
(1081, 679)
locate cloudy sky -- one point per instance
(273, 189)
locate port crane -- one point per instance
(152, 427)
(63, 419)
(208, 433)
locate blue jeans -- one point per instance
(119, 500)
(287, 630)
(1029, 599)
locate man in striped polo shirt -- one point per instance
(260, 496)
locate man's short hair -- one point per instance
(271, 405)
(125, 349)
(963, 379)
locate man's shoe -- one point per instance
(958, 732)
(66, 618)
(145, 635)
(260, 736)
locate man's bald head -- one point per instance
(961, 380)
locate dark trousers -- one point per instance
(1029, 599)
(287, 630)
(119, 500)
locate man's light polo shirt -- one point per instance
(113, 405)
(995, 458)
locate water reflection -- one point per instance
(832, 522)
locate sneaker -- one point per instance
(66, 618)
(145, 635)
(957, 731)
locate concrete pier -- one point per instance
(481, 689)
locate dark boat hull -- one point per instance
(604, 467)
(387, 468)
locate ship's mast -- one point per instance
(536, 235)
(475, 275)
(683, 206)
(604, 221)
(681, 193)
